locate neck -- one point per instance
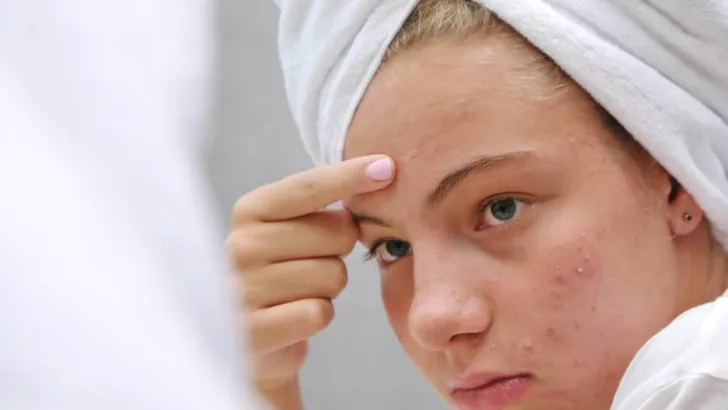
(719, 267)
(705, 274)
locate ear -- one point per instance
(684, 214)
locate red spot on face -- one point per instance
(527, 348)
(585, 273)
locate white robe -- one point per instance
(684, 367)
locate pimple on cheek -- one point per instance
(587, 264)
(527, 348)
(573, 274)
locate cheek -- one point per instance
(397, 294)
(581, 327)
(574, 277)
(571, 294)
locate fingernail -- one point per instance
(380, 170)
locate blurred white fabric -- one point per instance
(114, 293)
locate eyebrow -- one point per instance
(453, 179)
(479, 164)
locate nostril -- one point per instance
(437, 322)
(468, 339)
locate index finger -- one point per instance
(312, 190)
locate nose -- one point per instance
(449, 301)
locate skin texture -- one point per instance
(595, 262)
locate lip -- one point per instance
(489, 391)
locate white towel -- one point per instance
(659, 66)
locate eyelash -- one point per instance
(371, 254)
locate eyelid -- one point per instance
(483, 207)
(499, 197)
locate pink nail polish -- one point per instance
(380, 170)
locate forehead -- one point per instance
(444, 100)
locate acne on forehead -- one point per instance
(401, 110)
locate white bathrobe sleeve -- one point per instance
(684, 367)
(114, 293)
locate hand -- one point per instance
(288, 252)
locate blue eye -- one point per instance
(501, 211)
(390, 250)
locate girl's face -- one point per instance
(525, 257)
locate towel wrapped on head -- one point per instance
(659, 67)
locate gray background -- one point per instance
(356, 363)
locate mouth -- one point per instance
(490, 391)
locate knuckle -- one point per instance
(350, 234)
(255, 326)
(251, 294)
(319, 313)
(244, 247)
(335, 230)
(337, 276)
(242, 209)
(308, 187)
(249, 206)
(346, 232)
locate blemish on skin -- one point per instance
(550, 332)
(556, 295)
(528, 348)
(579, 363)
(585, 273)
(602, 333)
(492, 347)
(594, 308)
(577, 325)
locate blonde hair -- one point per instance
(433, 19)
(463, 20)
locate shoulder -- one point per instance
(684, 367)
(699, 391)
